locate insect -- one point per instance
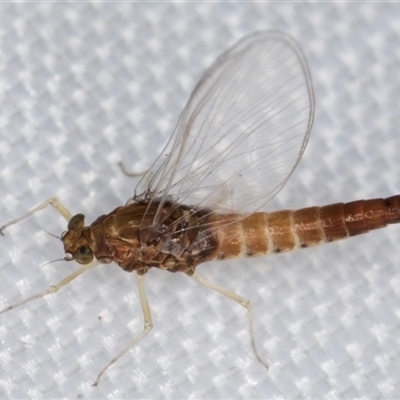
(238, 140)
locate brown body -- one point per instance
(185, 238)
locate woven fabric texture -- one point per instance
(84, 86)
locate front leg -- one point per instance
(61, 209)
(53, 201)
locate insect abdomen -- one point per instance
(263, 233)
(349, 219)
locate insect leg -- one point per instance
(128, 173)
(53, 288)
(239, 299)
(53, 201)
(148, 326)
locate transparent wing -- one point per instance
(242, 132)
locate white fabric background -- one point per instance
(83, 86)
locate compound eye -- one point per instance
(76, 222)
(83, 255)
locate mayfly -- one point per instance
(238, 140)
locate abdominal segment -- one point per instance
(264, 233)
